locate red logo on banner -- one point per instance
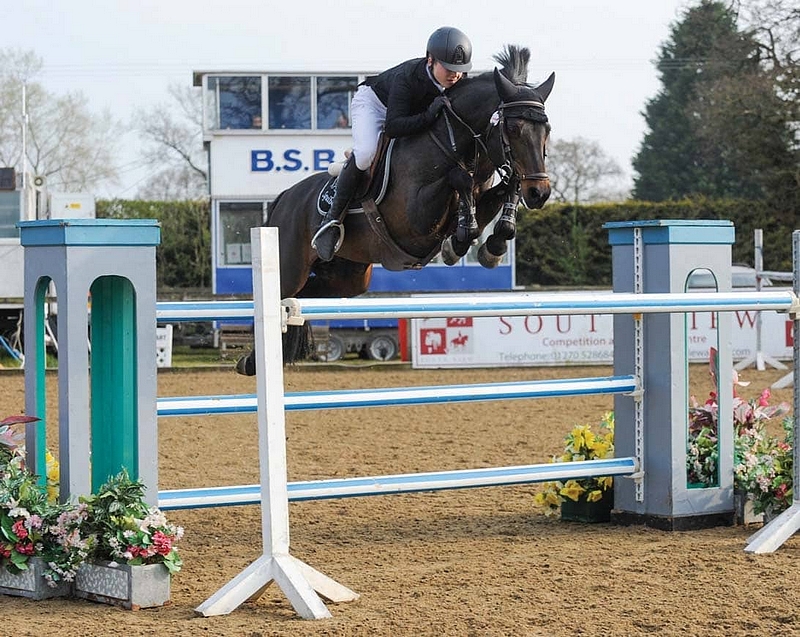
(789, 336)
(433, 341)
(464, 321)
(460, 341)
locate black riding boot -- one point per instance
(330, 235)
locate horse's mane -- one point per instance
(513, 61)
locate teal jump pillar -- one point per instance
(658, 257)
(104, 274)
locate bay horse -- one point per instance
(495, 126)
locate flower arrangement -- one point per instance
(580, 444)
(127, 530)
(115, 524)
(31, 525)
(762, 463)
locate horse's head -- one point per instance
(524, 130)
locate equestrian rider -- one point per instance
(401, 101)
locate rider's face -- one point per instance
(445, 77)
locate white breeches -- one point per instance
(367, 114)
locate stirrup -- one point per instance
(323, 228)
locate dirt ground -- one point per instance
(455, 563)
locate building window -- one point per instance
(234, 102)
(235, 221)
(333, 101)
(9, 214)
(289, 102)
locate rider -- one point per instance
(401, 101)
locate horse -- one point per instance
(484, 154)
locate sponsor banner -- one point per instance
(575, 340)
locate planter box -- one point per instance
(584, 511)
(131, 587)
(743, 510)
(31, 583)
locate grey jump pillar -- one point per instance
(104, 272)
(658, 257)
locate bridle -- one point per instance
(531, 110)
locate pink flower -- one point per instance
(18, 528)
(24, 548)
(162, 543)
(763, 399)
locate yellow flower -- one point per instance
(594, 496)
(606, 482)
(600, 448)
(578, 437)
(572, 490)
(52, 472)
(552, 499)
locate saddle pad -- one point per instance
(328, 191)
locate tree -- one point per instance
(174, 147)
(704, 50)
(580, 172)
(68, 145)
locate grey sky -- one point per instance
(124, 53)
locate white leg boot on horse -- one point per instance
(328, 238)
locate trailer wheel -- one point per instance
(335, 349)
(382, 348)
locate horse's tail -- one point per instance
(298, 345)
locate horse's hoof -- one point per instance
(487, 259)
(449, 255)
(505, 229)
(246, 365)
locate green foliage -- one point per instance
(566, 245)
(723, 124)
(127, 529)
(184, 256)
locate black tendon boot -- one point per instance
(330, 235)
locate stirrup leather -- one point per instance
(323, 228)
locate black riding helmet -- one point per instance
(451, 48)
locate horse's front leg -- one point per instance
(467, 230)
(467, 227)
(506, 195)
(506, 226)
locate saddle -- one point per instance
(366, 201)
(374, 187)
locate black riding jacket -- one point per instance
(406, 90)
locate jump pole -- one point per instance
(298, 581)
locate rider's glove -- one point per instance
(439, 102)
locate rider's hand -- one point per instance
(438, 103)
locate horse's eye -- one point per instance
(514, 127)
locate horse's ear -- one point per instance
(505, 87)
(545, 87)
